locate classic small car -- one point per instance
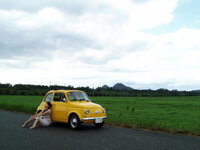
(73, 107)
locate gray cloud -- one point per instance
(118, 52)
(135, 46)
(75, 41)
(94, 60)
(16, 42)
(75, 7)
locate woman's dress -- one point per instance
(45, 120)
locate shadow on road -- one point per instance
(84, 127)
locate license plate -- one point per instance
(98, 120)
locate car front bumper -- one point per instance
(93, 118)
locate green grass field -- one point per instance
(172, 114)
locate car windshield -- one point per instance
(78, 96)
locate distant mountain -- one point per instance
(105, 87)
(120, 86)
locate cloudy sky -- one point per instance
(141, 43)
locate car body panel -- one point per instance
(62, 110)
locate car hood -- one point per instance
(86, 105)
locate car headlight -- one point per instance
(87, 111)
(104, 111)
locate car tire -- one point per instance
(74, 122)
(99, 125)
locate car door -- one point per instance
(60, 105)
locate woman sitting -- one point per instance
(44, 117)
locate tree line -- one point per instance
(28, 89)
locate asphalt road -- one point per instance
(59, 137)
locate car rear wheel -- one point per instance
(74, 121)
(99, 125)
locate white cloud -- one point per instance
(98, 43)
(173, 57)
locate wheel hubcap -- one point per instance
(74, 122)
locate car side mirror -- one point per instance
(64, 99)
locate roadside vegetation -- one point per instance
(117, 90)
(172, 114)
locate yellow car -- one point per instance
(73, 107)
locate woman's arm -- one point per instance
(44, 113)
(38, 114)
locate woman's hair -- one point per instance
(49, 104)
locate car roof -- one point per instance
(65, 91)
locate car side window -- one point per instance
(71, 96)
(59, 97)
(48, 98)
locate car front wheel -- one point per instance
(74, 122)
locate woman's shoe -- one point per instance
(32, 127)
(24, 125)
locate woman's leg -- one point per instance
(35, 123)
(30, 119)
(45, 122)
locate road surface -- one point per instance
(59, 137)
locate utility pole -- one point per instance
(93, 90)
